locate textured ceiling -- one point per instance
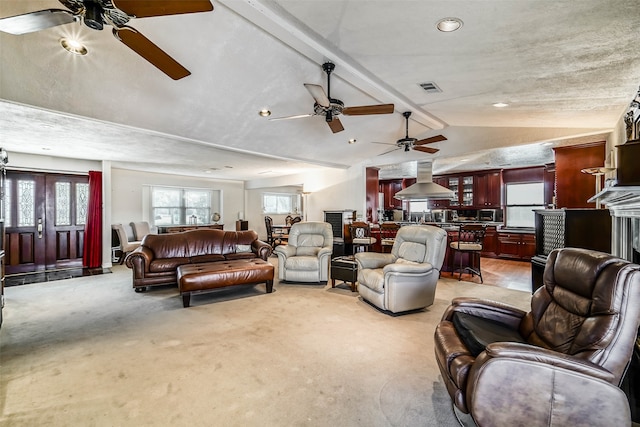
(568, 70)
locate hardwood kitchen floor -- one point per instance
(501, 272)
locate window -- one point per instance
(280, 203)
(522, 199)
(170, 206)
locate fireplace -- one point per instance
(623, 203)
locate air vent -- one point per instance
(430, 87)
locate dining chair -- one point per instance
(468, 246)
(361, 238)
(388, 231)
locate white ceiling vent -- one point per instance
(430, 87)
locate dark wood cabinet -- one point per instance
(487, 190)
(490, 244)
(521, 246)
(462, 187)
(440, 203)
(389, 188)
(574, 188)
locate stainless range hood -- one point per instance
(424, 188)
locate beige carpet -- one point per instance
(92, 352)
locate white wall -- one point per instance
(124, 192)
(129, 192)
(329, 189)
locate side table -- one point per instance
(344, 268)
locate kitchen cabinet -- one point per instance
(487, 190)
(516, 245)
(389, 188)
(462, 187)
(490, 244)
(440, 203)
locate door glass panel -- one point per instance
(63, 205)
(26, 203)
(82, 201)
(8, 195)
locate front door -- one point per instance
(45, 218)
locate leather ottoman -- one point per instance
(345, 269)
(199, 278)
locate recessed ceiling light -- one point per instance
(448, 25)
(500, 104)
(264, 112)
(73, 46)
(352, 141)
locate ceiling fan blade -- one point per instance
(147, 8)
(368, 109)
(152, 53)
(426, 149)
(381, 143)
(35, 21)
(390, 151)
(318, 94)
(335, 125)
(431, 140)
(297, 116)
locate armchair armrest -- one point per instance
(549, 357)
(140, 257)
(262, 249)
(327, 250)
(397, 267)
(285, 251)
(537, 387)
(486, 309)
(373, 259)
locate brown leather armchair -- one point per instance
(559, 364)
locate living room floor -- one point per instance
(504, 273)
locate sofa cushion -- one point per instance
(164, 264)
(477, 333)
(207, 258)
(166, 245)
(241, 255)
(205, 242)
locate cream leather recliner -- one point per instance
(307, 255)
(406, 278)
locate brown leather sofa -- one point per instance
(156, 261)
(560, 363)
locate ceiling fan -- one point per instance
(330, 108)
(117, 13)
(413, 143)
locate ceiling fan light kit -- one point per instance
(117, 13)
(331, 108)
(73, 46)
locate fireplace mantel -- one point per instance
(623, 203)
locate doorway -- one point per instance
(45, 218)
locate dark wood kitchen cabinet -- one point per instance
(487, 190)
(440, 203)
(521, 246)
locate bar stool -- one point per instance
(361, 236)
(469, 246)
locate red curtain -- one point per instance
(92, 256)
